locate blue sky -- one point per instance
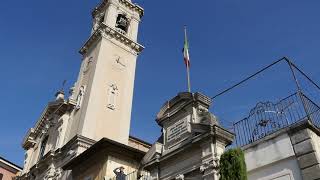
(229, 39)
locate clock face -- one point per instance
(119, 63)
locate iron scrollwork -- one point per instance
(267, 117)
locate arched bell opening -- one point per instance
(122, 23)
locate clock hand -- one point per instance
(119, 62)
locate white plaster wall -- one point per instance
(99, 120)
(286, 169)
(268, 152)
(272, 159)
(84, 79)
(62, 130)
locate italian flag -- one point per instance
(186, 56)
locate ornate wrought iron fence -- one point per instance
(267, 117)
(313, 110)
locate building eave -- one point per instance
(107, 31)
(145, 143)
(210, 131)
(102, 145)
(179, 102)
(133, 6)
(10, 164)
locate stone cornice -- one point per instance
(52, 155)
(29, 139)
(55, 107)
(98, 9)
(212, 131)
(101, 7)
(182, 100)
(108, 147)
(132, 6)
(222, 134)
(78, 141)
(110, 33)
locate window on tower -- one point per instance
(122, 23)
(101, 18)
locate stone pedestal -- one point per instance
(305, 141)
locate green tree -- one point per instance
(233, 165)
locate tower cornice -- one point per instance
(111, 33)
(126, 3)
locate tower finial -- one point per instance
(60, 93)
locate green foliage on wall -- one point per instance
(233, 165)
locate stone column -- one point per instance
(305, 141)
(210, 170)
(212, 149)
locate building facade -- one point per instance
(189, 147)
(99, 105)
(8, 170)
(85, 136)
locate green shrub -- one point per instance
(233, 165)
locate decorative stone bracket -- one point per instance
(213, 164)
(53, 173)
(180, 177)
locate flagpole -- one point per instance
(188, 68)
(188, 77)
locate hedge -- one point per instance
(233, 165)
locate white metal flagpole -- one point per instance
(187, 58)
(188, 76)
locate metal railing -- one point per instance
(267, 117)
(135, 176)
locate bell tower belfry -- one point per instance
(104, 89)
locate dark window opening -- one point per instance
(102, 19)
(122, 22)
(43, 146)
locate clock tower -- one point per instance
(99, 105)
(104, 89)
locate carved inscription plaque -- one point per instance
(178, 129)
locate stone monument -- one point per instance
(191, 143)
